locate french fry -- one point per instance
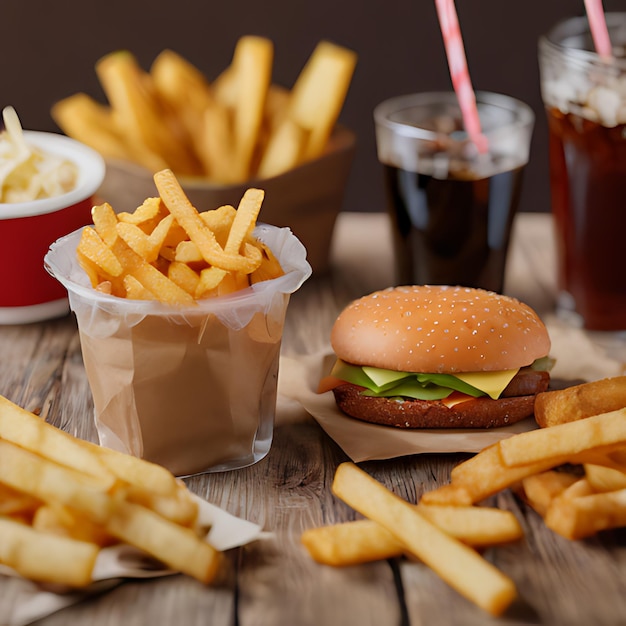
(188, 217)
(485, 474)
(67, 561)
(539, 490)
(48, 481)
(184, 276)
(129, 91)
(93, 248)
(105, 222)
(319, 93)
(284, 149)
(252, 64)
(566, 440)
(603, 478)
(185, 88)
(459, 565)
(150, 277)
(92, 123)
(578, 516)
(59, 520)
(244, 220)
(13, 502)
(363, 541)
(136, 471)
(351, 543)
(580, 401)
(32, 433)
(178, 547)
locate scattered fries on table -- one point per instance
(238, 127)
(166, 250)
(63, 499)
(573, 474)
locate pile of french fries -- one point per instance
(166, 250)
(238, 127)
(62, 500)
(572, 473)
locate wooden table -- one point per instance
(273, 581)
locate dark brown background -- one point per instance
(48, 50)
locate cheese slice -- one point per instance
(492, 383)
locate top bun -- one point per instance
(439, 329)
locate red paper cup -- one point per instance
(27, 229)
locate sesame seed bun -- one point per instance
(439, 329)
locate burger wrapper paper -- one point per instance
(578, 359)
(32, 602)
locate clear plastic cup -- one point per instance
(585, 100)
(451, 206)
(192, 389)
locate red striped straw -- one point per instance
(459, 73)
(599, 31)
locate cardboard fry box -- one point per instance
(306, 199)
(191, 388)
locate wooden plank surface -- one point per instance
(273, 581)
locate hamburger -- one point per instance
(438, 357)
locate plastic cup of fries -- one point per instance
(190, 385)
(29, 226)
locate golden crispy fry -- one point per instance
(244, 220)
(176, 546)
(188, 217)
(451, 494)
(94, 249)
(364, 541)
(66, 561)
(319, 93)
(210, 280)
(252, 64)
(351, 543)
(35, 476)
(603, 478)
(184, 277)
(150, 277)
(220, 221)
(59, 520)
(565, 440)
(215, 146)
(105, 222)
(270, 266)
(459, 565)
(580, 401)
(135, 290)
(81, 117)
(32, 433)
(185, 88)
(13, 502)
(147, 215)
(539, 490)
(485, 474)
(579, 512)
(130, 93)
(284, 150)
